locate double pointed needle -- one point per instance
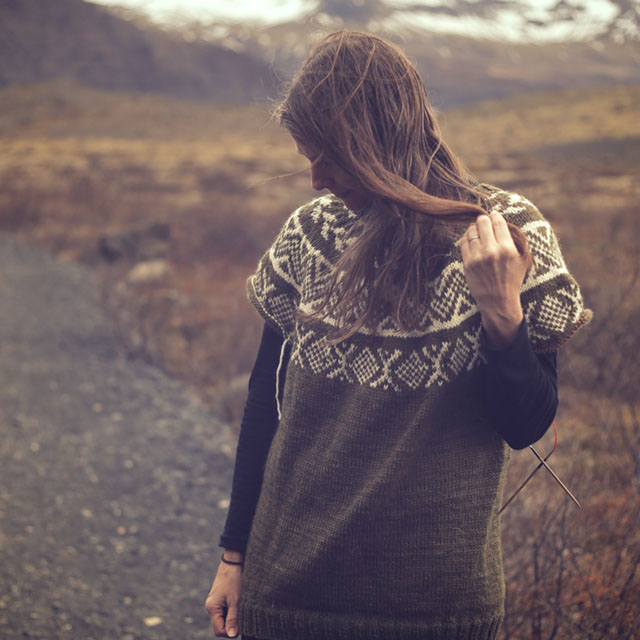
(543, 462)
(524, 483)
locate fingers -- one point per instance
(488, 235)
(494, 271)
(222, 602)
(473, 240)
(491, 229)
(501, 229)
(216, 615)
(232, 620)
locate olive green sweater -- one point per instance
(378, 515)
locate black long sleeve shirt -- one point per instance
(520, 391)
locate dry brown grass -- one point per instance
(78, 164)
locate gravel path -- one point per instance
(113, 479)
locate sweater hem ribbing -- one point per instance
(289, 625)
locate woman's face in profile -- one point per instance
(326, 174)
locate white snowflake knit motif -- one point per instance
(292, 276)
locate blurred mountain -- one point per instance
(42, 40)
(512, 20)
(466, 50)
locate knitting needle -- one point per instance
(524, 484)
(555, 476)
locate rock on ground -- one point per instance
(113, 479)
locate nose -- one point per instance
(320, 177)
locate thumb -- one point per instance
(231, 621)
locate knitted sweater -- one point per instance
(378, 515)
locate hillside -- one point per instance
(169, 202)
(244, 63)
(41, 41)
(457, 68)
(466, 51)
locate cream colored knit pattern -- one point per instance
(302, 258)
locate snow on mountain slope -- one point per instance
(467, 50)
(528, 20)
(523, 20)
(536, 21)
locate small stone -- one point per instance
(149, 272)
(153, 621)
(34, 446)
(224, 504)
(86, 513)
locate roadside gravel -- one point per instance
(113, 478)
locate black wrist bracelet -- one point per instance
(231, 562)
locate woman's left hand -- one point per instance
(495, 272)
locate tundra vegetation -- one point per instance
(173, 202)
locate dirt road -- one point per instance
(113, 479)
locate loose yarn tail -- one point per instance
(279, 369)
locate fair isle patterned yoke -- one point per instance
(292, 275)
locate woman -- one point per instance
(412, 319)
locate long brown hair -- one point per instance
(359, 100)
